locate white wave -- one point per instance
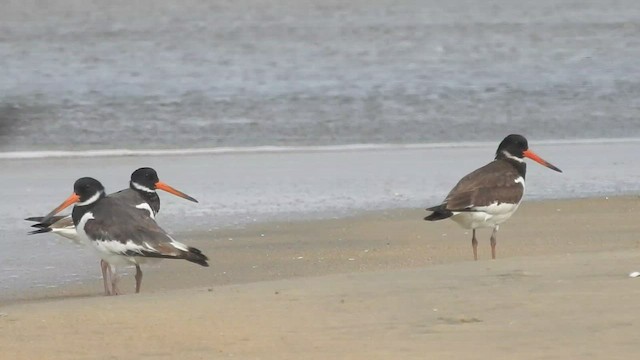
(282, 149)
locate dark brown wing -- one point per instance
(486, 185)
(131, 232)
(134, 197)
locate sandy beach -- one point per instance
(313, 134)
(378, 285)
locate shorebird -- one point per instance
(488, 196)
(141, 194)
(120, 233)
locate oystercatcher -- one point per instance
(488, 196)
(141, 194)
(121, 234)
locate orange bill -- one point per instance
(162, 186)
(74, 198)
(531, 155)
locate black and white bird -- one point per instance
(140, 195)
(488, 196)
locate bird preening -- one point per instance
(488, 196)
(121, 227)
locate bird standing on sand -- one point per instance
(140, 195)
(488, 196)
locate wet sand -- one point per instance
(262, 187)
(378, 285)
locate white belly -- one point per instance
(109, 251)
(108, 257)
(70, 233)
(486, 216)
(112, 252)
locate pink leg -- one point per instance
(138, 278)
(114, 284)
(493, 243)
(106, 276)
(474, 243)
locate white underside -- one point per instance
(113, 259)
(492, 215)
(117, 260)
(70, 233)
(486, 216)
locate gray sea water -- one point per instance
(77, 74)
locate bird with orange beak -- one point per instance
(490, 195)
(141, 195)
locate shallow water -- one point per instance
(104, 75)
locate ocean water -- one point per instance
(163, 74)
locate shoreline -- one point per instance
(376, 285)
(268, 149)
(373, 240)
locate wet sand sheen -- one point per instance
(373, 286)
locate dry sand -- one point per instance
(379, 285)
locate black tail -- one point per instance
(439, 213)
(196, 256)
(39, 219)
(42, 230)
(193, 255)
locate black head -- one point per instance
(146, 178)
(86, 191)
(516, 147)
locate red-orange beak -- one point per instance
(162, 186)
(531, 155)
(74, 198)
